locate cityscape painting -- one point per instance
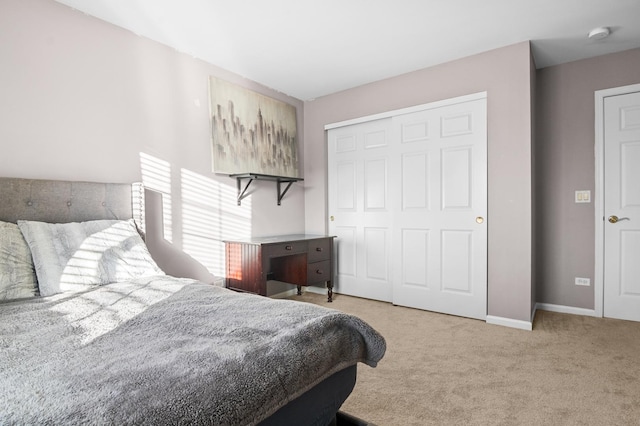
(250, 132)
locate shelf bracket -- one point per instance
(281, 194)
(242, 192)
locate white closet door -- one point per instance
(359, 169)
(622, 207)
(440, 249)
(408, 203)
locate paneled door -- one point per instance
(408, 204)
(359, 170)
(622, 207)
(440, 229)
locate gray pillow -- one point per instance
(75, 256)
(17, 276)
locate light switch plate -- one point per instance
(583, 196)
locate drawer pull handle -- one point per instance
(287, 247)
(319, 271)
(318, 248)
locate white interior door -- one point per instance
(358, 170)
(622, 206)
(408, 203)
(440, 253)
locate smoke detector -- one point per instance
(599, 33)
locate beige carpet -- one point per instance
(445, 370)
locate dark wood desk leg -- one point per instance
(329, 291)
(299, 290)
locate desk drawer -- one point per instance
(319, 250)
(319, 272)
(284, 249)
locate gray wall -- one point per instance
(506, 75)
(565, 161)
(534, 200)
(81, 99)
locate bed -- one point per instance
(93, 332)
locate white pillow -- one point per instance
(17, 276)
(74, 256)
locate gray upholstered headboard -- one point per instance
(57, 201)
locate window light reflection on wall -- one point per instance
(208, 211)
(210, 215)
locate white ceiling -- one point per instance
(311, 48)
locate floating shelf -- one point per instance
(256, 176)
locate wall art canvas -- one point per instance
(251, 133)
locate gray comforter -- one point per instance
(168, 351)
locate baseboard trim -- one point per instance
(317, 290)
(284, 294)
(294, 292)
(508, 322)
(565, 309)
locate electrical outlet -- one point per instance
(583, 281)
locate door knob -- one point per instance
(479, 219)
(331, 218)
(614, 219)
